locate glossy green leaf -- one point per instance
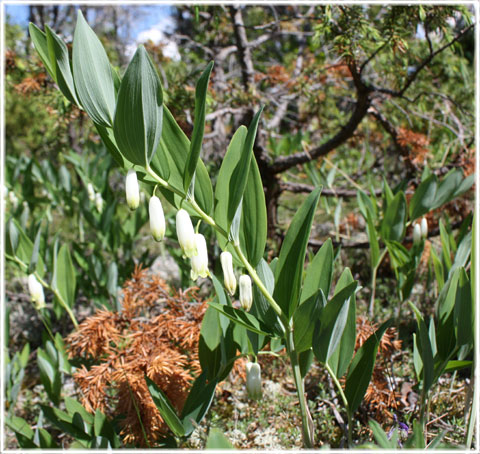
(289, 270)
(331, 325)
(341, 357)
(17, 244)
(464, 310)
(319, 272)
(366, 205)
(393, 223)
(198, 402)
(217, 440)
(73, 406)
(423, 198)
(253, 224)
(447, 187)
(64, 422)
(65, 276)
(373, 240)
(424, 348)
(92, 74)
(233, 173)
(454, 365)
(104, 428)
(60, 59)
(261, 308)
(49, 376)
(40, 42)
(381, 437)
(304, 320)
(199, 126)
(138, 116)
(35, 251)
(361, 368)
(173, 150)
(438, 268)
(165, 408)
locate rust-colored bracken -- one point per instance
(155, 334)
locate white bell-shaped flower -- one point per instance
(200, 260)
(424, 228)
(157, 218)
(91, 192)
(254, 381)
(98, 202)
(417, 233)
(36, 290)
(228, 276)
(185, 233)
(245, 288)
(132, 190)
(13, 199)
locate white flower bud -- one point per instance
(36, 291)
(228, 276)
(185, 233)
(254, 381)
(5, 192)
(132, 190)
(417, 233)
(157, 218)
(91, 192)
(245, 286)
(424, 227)
(99, 202)
(13, 199)
(200, 260)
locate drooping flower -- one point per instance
(254, 381)
(185, 233)
(245, 286)
(91, 192)
(132, 191)
(417, 233)
(228, 275)
(157, 218)
(200, 260)
(99, 202)
(424, 227)
(36, 291)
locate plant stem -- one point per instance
(307, 423)
(345, 402)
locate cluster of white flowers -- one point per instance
(12, 198)
(193, 244)
(420, 231)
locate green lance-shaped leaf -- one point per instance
(361, 368)
(373, 240)
(333, 319)
(198, 402)
(138, 116)
(464, 310)
(165, 408)
(253, 224)
(393, 223)
(319, 272)
(61, 65)
(341, 357)
(40, 42)
(35, 250)
(424, 197)
(233, 174)
(304, 320)
(424, 348)
(92, 74)
(173, 149)
(199, 126)
(64, 278)
(289, 269)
